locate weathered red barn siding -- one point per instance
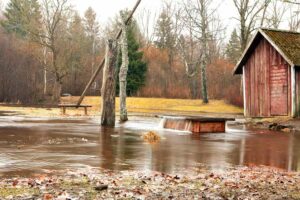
(267, 82)
(297, 92)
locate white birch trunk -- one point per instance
(123, 74)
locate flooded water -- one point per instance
(29, 146)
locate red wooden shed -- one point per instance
(271, 74)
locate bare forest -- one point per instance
(186, 49)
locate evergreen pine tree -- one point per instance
(22, 17)
(233, 49)
(137, 68)
(77, 42)
(165, 38)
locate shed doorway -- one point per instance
(279, 89)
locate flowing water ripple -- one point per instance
(31, 145)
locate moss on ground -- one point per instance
(80, 184)
(14, 191)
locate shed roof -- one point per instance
(287, 43)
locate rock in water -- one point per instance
(101, 187)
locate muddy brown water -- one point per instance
(31, 146)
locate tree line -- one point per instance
(48, 49)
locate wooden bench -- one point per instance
(65, 106)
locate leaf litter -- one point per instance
(199, 183)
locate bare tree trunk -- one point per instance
(45, 69)
(93, 62)
(93, 54)
(123, 75)
(193, 87)
(108, 92)
(58, 83)
(57, 91)
(263, 17)
(204, 56)
(204, 83)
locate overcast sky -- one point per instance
(107, 9)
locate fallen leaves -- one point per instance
(234, 183)
(15, 182)
(48, 197)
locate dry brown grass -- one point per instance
(135, 105)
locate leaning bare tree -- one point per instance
(123, 72)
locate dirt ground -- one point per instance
(283, 124)
(235, 183)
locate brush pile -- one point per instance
(151, 137)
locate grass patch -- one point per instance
(80, 185)
(9, 191)
(134, 105)
(161, 105)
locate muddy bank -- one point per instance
(280, 124)
(234, 183)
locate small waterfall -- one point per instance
(162, 123)
(194, 124)
(176, 123)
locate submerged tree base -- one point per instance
(235, 183)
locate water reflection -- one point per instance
(28, 146)
(237, 147)
(268, 148)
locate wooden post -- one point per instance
(108, 91)
(64, 110)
